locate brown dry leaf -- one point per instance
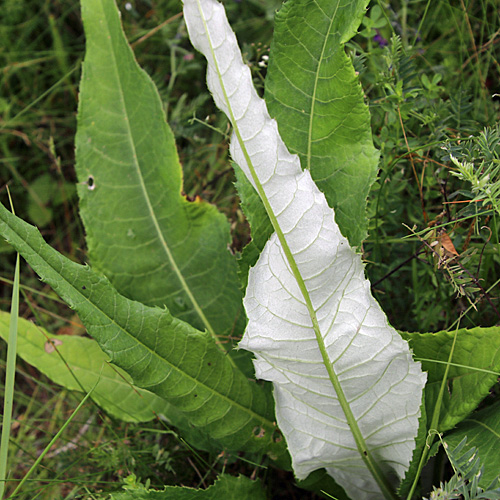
(447, 244)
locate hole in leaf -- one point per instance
(259, 432)
(91, 183)
(277, 437)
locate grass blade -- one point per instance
(9, 381)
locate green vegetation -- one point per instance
(429, 73)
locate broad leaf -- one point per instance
(151, 242)
(482, 430)
(161, 353)
(314, 94)
(474, 370)
(226, 487)
(346, 388)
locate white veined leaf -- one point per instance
(347, 390)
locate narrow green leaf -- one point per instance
(83, 359)
(161, 353)
(476, 349)
(151, 242)
(315, 96)
(482, 430)
(226, 488)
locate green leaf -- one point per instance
(320, 481)
(259, 222)
(226, 488)
(475, 350)
(161, 353)
(153, 244)
(315, 96)
(482, 430)
(114, 393)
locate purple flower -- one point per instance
(380, 39)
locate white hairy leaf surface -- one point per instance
(347, 390)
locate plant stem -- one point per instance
(404, 21)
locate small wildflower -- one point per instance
(264, 60)
(382, 42)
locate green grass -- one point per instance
(435, 84)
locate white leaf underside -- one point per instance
(381, 382)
